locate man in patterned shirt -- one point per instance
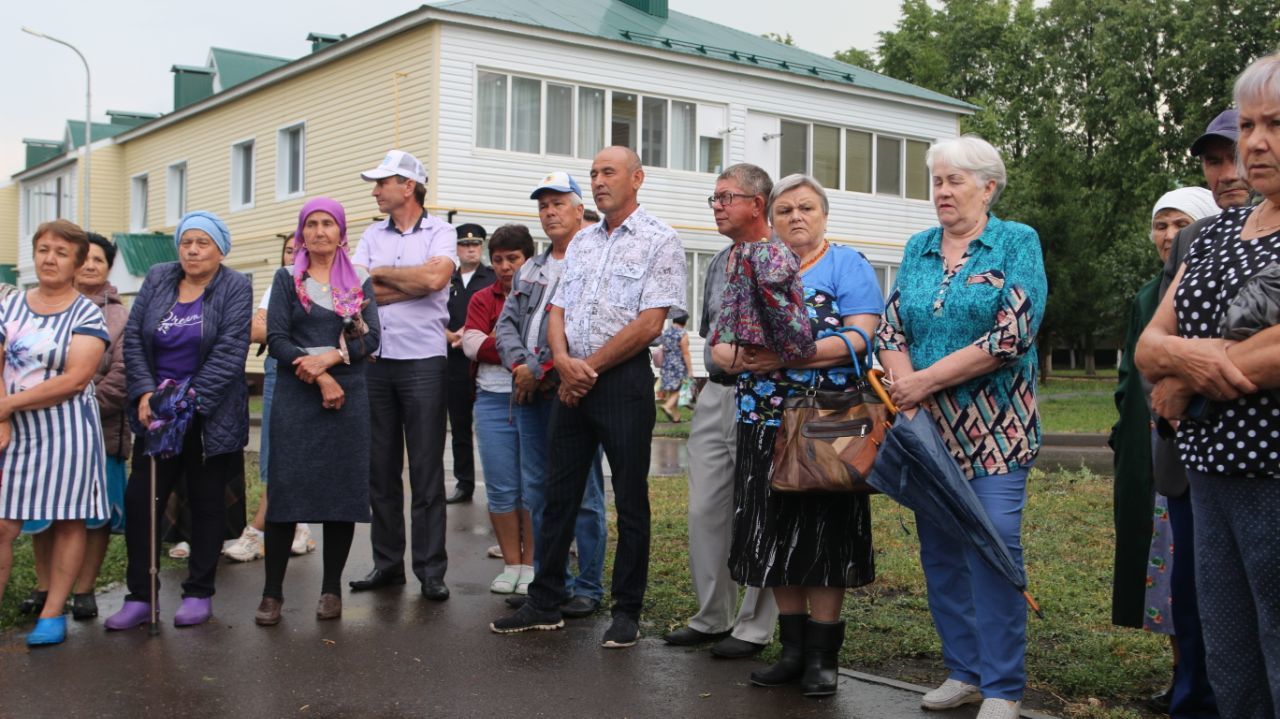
(622, 276)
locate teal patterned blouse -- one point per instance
(993, 300)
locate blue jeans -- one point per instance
(268, 389)
(590, 531)
(499, 441)
(980, 617)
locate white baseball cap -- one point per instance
(398, 162)
(559, 181)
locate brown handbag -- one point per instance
(829, 439)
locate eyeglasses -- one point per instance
(724, 199)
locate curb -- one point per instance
(906, 686)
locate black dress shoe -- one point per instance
(377, 579)
(458, 497)
(688, 637)
(734, 648)
(435, 590)
(580, 607)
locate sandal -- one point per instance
(181, 550)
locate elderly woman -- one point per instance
(807, 548)
(321, 325)
(189, 325)
(109, 387)
(50, 431)
(1231, 447)
(958, 340)
(1145, 573)
(496, 430)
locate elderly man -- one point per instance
(410, 259)
(522, 343)
(738, 203)
(471, 276)
(621, 278)
(1191, 693)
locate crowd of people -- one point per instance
(377, 349)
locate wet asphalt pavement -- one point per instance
(395, 654)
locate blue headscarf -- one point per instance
(208, 223)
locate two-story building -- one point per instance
(493, 94)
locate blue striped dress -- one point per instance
(55, 465)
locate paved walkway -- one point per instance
(394, 654)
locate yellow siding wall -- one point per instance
(109, 191)
(9, 224)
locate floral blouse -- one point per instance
(762, 302)
(993, 300)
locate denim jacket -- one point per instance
(529, 294)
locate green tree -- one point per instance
(781, 39)
(857, 57)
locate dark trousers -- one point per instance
(206, 479)
(1192, 695)
(617, 414)
(407, 410)
(461, 394)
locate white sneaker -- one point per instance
(999, 709)
(302, 541)
(952, 693)
(247, 548)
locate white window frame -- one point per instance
(139, 201)
(902, 139)
(175, 203)
(282, 161)
(234, 184)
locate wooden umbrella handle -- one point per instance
(873, 379)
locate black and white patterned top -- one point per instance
(1239, 438)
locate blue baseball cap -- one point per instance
(1226, 125)
(559, 182)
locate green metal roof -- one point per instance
(101, 130)
(142, 251)
(235, 67)
(9, 274)
(688, 35)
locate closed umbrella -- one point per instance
(916, 470)
(172, 406)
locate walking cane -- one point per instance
(153, 628)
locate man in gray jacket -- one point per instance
(738, 203)
(522, 344)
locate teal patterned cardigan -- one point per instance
(993, 301)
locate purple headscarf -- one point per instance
(347, 295)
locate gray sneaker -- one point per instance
(624, 632)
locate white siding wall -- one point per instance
(492, 187)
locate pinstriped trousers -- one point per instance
(617, 414)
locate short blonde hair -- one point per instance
(973, 155)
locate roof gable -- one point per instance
(688, 35)
(234, 66)
(74, 135)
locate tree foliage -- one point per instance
(1093, 104)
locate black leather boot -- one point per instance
(822, 642)
(790, 665)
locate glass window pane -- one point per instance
(491, 111)
(655, 132)
(857, 161)
(295, 160)
(917, 171)
(623, 131)
(711, 154)
(826, 156)
(690, 287)
(590, 121)
(684, 133)
(526, 114)
(794, 150)
(888, 166)
(559, 119)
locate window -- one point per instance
(888, 166)
(138, 203)
(491, 111)
(857, 161)
(590, 121)
(826, 155)
(623, 130)
(176, 193)
(696, 264)
(794, 149)
(242, 175)
(559, 119)
(526, 115)
(917, 171)
(290, 159)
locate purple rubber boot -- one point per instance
(194, 610)
(132, 614)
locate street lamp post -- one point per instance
(88, 115)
